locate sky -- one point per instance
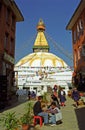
(56, 14)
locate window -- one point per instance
(13, 21)
(6, 41)
(83, 50)
(75, 58)
(12, 45)
(0, 8)
(78, 31)
(7, 16)
(4, 68)
(79, 52)
(81, 24)
(74, 36)
(81, 27)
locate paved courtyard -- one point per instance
(73, 119)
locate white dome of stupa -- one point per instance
(41, 59)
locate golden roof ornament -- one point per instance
(41, 25)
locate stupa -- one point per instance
(37, 70)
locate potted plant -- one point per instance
(24, 121)
(10, 122)
(27, 119)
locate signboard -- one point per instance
(8, 58)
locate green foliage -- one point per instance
(9, 120)
(24, 119)
(28, 116)
(45, 97)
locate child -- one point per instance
(53, 110)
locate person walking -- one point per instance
(55, 88)
(62, 96)
(75, 96)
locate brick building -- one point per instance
(9, 15)
(77, 25)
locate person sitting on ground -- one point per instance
(37, 109)
(53, 111)
(55, 99)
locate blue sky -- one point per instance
(56, 15)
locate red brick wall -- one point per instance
(79, 61)
(6, 27)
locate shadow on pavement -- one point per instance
(80, 114)
(18, 102)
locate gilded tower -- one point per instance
(41, 44)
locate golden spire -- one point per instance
(40, 43)
(41, 25)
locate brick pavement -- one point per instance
(73, 119)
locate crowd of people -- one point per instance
(51, 112)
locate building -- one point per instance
(77, 25)
(41, 69)
(9, 15)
